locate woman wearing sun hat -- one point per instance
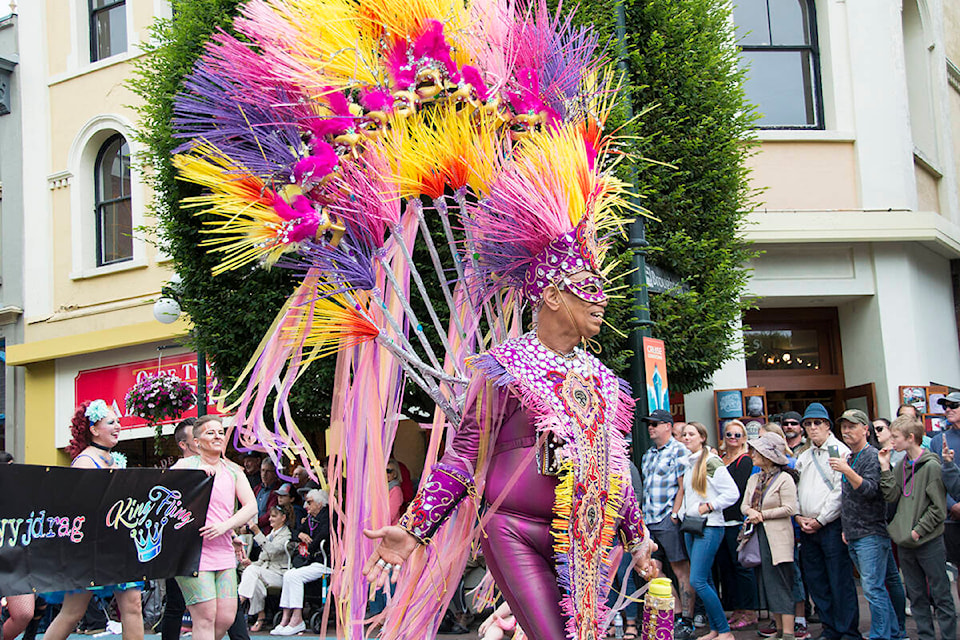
(769, 501)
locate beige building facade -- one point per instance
(858, 223)
(91, 275)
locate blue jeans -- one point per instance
(828, 574)
(872, 555)
(898, 595)
(702, 550)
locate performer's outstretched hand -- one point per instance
(646, 567)
(396, 545)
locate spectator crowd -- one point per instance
(785, 520)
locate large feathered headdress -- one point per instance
(338, 137)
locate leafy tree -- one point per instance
(696, 130)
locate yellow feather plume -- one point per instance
(335, 324)
(445, 147)
(336, 41)
(239, 205)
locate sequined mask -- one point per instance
(590, 289)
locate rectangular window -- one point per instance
(108, 28)
(787, 348)
(779, 50)
(116, 232)
(781, 84)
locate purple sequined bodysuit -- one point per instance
(544, 583)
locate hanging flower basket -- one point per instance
(160, 397)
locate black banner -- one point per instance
(63, 528)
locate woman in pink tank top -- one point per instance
(211, 595)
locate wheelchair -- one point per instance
(314, 598)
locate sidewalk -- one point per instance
(744, 634)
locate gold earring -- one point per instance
(592, 345)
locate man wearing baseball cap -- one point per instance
(945, 444)
(663, 466)
(863, 519)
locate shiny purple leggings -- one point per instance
(519, 554)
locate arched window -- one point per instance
(779, 47)
(111, 176)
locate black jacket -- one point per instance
(319, 531)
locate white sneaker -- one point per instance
(277, 630)
(292, 631)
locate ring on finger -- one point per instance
(382, 563)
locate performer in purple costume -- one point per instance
(557, 417)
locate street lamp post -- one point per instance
(640, 323)
(201, 383)
(166, 310)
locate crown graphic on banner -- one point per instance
(148, 539)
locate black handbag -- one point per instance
(300, 556)
(693, 525)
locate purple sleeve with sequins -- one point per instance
(632, 530)
(452, 478)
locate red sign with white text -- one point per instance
(112, 383)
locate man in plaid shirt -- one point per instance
(663, 465)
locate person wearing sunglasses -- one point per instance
(881, 427)
(945, 444)
(662, 467)
(824, 560)
(793, 431)
(799, 591)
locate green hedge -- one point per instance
(684, 69)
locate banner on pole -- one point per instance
(64, 528)
(655, 365)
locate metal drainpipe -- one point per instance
(640, 324)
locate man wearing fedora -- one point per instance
(863, 516)
(945, 444)
(824, 560)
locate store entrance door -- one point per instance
(795, 354)
(863, 397)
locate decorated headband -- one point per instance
(97, 411)
(565, 255)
